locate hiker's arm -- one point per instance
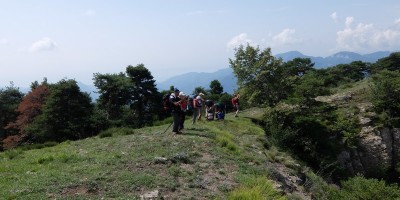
(178, 103)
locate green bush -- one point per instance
(105, 134)
(386, 95)
(366, 189)
(116, 131)
(38, 146)
(12, 154)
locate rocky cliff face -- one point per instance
(377, 152)
(378, 149)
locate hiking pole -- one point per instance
(167, 128)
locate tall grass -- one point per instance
(255, 187)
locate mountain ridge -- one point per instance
(188, 81)
(342, 57)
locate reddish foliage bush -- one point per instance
(29, 108)
(12, 141)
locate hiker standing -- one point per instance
(193, 102)
(235, 103)
(199, 104)
(176, 110)
(184, 102)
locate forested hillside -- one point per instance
(317, 133)
(343, 120)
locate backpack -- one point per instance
(209, 103)
(198, 102)
(220, 115)
(190, 104)
(166, 104)
(210, 116)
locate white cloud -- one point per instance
(334, 17)
(285, 37)
(366, 37)
(90, 12)
(349, 21)
(241, 39)
(44, 44)
(397, 21)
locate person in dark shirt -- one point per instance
(176, 110)
(184, 102)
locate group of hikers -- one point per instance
(180, 103)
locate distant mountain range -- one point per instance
(343, 57)
(187, 82)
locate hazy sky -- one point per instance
(74, 39)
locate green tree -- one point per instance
(225, 99)
(198, 90)
(391, 63)
(65, 116)
(216, 87)
(386, 94)
(129, 99)
(114, 90)
(299, 66)
(10, 97)
(263, 78)
(307, 88)
(144, 98)
(347, 73)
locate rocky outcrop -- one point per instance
(378, 148)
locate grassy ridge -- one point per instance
(211, 160)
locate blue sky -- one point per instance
(74, 39)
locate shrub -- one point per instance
(255, 188)
(362, 188)
(105, 134)
(116, 131)
(46, 159)
(386, 94)
(181, 157)
(14, 153)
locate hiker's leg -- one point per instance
(183, 115)
(237, 110)
(194, 115)
(199, 115)
(176, 117)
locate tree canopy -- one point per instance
(129, 98)
(10, 97)
(264, 79)
(65, 115)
